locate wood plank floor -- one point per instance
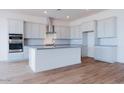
(89, 72)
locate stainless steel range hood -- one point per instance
(50, 27)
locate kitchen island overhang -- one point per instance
(48, 58)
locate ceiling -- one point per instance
(60, 14)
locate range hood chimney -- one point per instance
(50, 27)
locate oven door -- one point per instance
(15, 47)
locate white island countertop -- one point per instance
(42, 58)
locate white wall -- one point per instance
(3, 40)
(119, 13)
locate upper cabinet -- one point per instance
(76, 32)
(15, 26)
(62, 32)
(106, 28)
(34, 30)
(100, 29)
(66, 33)
(110, 27)
(27, 30)
(88, 26)
(43, 30)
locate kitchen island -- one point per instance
(42, 58)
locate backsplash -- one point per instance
(41, 41)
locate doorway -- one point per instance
(88, 44)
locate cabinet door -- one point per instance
(88, 26)
(19, 27)
(110, 27)
(27, 30)
(15, 26)
(80, 32)
(62, 32)
(106, 28)
(35, 30)
(26, 52)
(100, 29)
(42, 31)
(58, 32)
(76, 32)
(107, 54)
(12, 26)
(72, 33)
(67, 33)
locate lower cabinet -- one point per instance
(26, 52)
(13, 57)
(19, 56)
(105, 53)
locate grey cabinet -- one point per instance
(110, 27)
(62, 32)
(15, 26)
(88, 26)
(27, 30)
(106, 53)
(76, 32)
(106, 27)
(100, 29)
(34, 30)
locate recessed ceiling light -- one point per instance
(67, 17)
(45, 12)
